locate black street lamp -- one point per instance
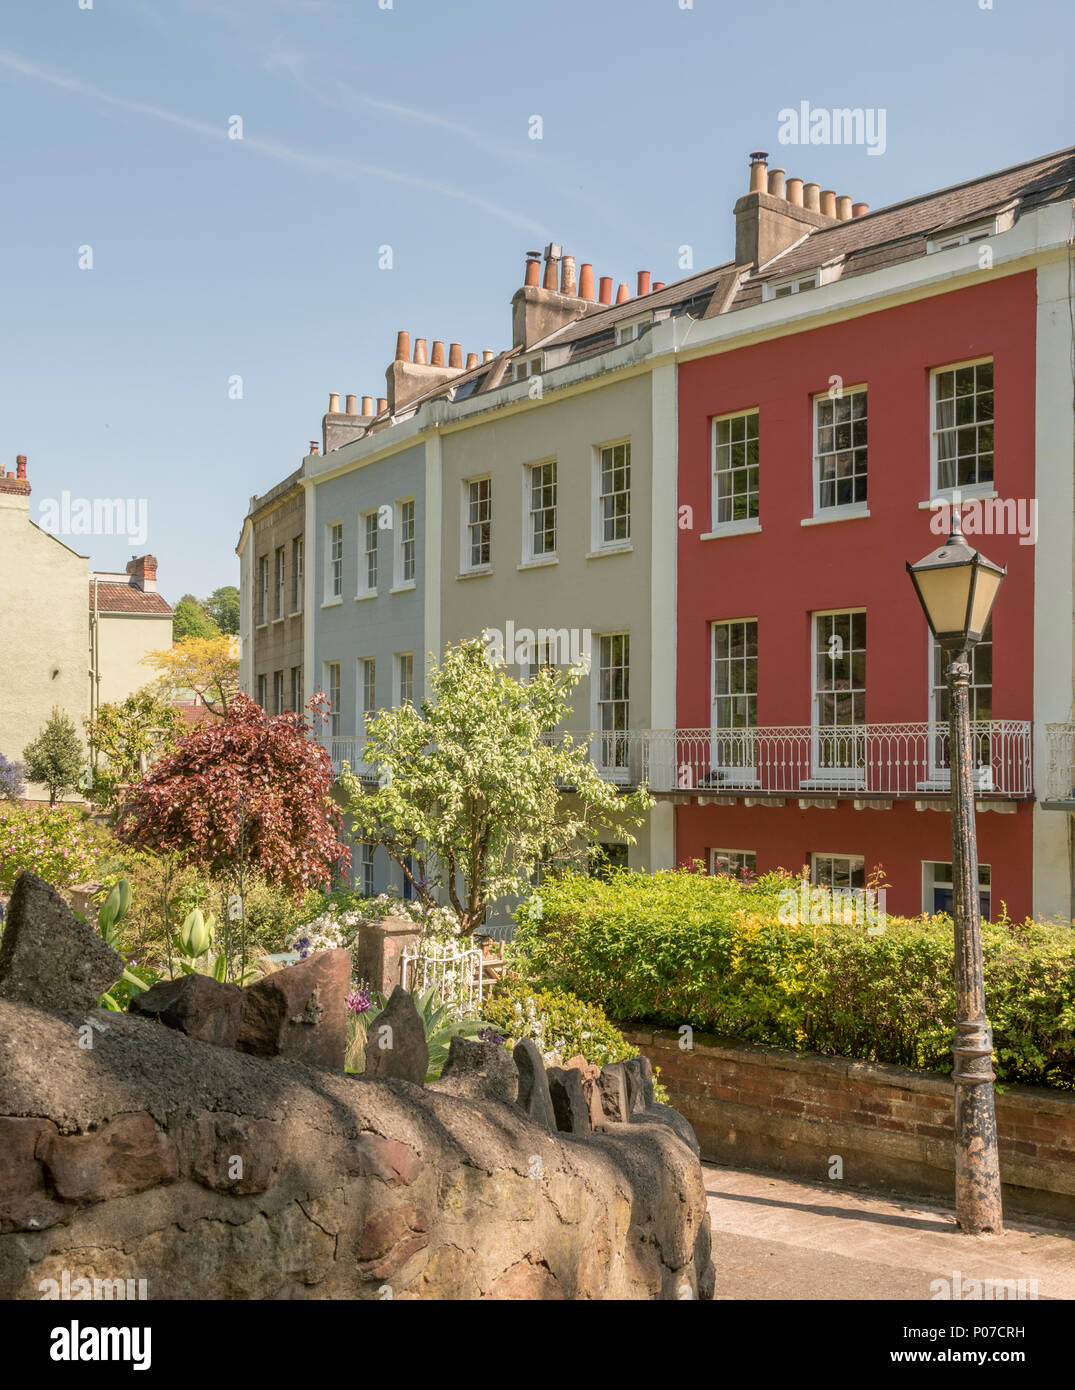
(956, 587)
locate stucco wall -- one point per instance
(123, 640)
(44, 629)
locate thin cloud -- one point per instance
(343, 169)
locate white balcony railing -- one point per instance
(1060, 758)
(878, 760)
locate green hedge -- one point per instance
(682, 947)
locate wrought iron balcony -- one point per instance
(1060, 767)
(878, 761)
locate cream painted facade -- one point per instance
(123, 641)
(44, 633)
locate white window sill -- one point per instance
(296, 614)
(404, 588)
(277, 620)
(747, 527)
(478, 573)
(620, 548)
(947, 497)
(333, 602)
(539, 562)
(823, 518)
(261, 627)
(361, 598)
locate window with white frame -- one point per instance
(735, 468)
(840, 447)
(296, 574)
(334, 560)
(367, 560)
(280, 585)
(613, 494)
(839, 690)
(613, 700)
(263, 590)
(841, 873)
(938, 889)
(961, 236)
(628, 332)
(733, 863)
(734, 692)
(366, 869)
(478, 523)
(332, 690)
(405, 678)
(367, 685)
(795, 284)
(541, 496)
(962, 426)
(405, 544)
(296, 689)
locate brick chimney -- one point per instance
(16, 484)
(767, 220)
(538, 307)
(143, 572)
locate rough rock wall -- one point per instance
(214, 1174)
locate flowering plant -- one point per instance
(56, 843)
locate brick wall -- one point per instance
(891, 1127)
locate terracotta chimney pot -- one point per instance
(605, 297)
(488, 354)
(843, 207)
(643, 282)
(437, 360)
(403, 346)
(334, 402)
(20, 465)
(472, 360)
(812, 197)
(455, 355)
(776, 183)
(549, 283)
(794, 192)
(623, 294)
(352, 405)
(382, 404)
(758, 170)
(367, 405)
(658, 285)
(828, 202)
(420, 352)
(567, 276)
(533, 268)
(586, 281)
(859, 209)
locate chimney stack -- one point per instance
(567, 276)
(843, 207)
(143, 573)
(403, 346)
(540, 309)
(794, 192)
(643, 282)
(605, 297)
(776, 212)
(586, 281)
(367, 406)
(758, 170)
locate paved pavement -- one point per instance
(776, 1238)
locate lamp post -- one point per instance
(956, 587)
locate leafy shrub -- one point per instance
(438, 1023)
(56, 842)
(681, 947)
(557, 1021)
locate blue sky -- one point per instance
(215, 257)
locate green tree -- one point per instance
(222, 605)
(132, 735)
(190, 619)
(470, 797)
(55, 757)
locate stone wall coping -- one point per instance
(1037, 1098)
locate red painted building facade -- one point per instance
(879, 808)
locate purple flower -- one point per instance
(490, 1035)
(358, 1001)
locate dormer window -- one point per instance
(961, 236)
(628, 332)
(796, 284)
(527, 366)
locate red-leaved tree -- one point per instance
(248, 792)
